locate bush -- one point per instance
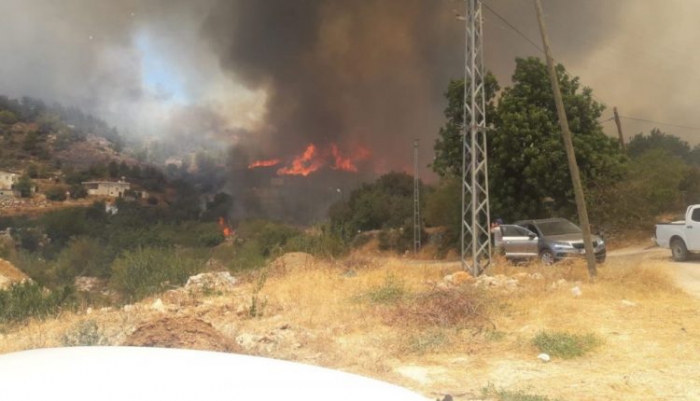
(490, 392)
(391, 291)
(29, 300)
(143, 272)
(565, 345)
(459, 308)
(82, 257)
(247, 257)
(322, 245)
(57, 194)
(84, 333)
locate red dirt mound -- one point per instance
(180, 332)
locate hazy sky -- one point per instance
(278, 74)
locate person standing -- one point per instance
(497, 236)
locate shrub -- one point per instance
(323, 244)
(83, 333)
(143, 272)
(565, 345)
(458, 307)
(490, 392)
(247, 257)
(390, 291)
(57, 194)
(26, 300)
(82, 257)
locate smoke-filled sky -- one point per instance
(279, 74)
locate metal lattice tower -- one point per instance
(476, 240)
(416, 200)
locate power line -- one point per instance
(661, 123)
(522, 35)
(526, 38)
(511, 26)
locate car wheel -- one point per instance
(600, 260)
(547, 257)
(678, 250)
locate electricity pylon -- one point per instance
(476, 240)
(416, 201)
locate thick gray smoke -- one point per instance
(279, 74)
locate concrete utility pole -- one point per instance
(568, 144)
(416, 201)
(476, 222)
(619, 129)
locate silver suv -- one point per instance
(548, 239)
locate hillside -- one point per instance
(415, 324)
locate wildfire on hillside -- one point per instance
(264, 163)
(313, 159)
(225, 228)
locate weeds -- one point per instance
(457, 307)
(258, 304)
(427, 341)
(22, 301)
(564, 345)
(83, 333)
(506, 395)
(391, 291)
(138, 274)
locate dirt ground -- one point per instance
(318, 312)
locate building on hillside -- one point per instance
(107, 188)
(8, 180)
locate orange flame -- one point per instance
(348, 163)
(225, 228)
(305, 164)
(264, 163)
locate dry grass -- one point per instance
(418, 339)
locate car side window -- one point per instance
(508, 231)
(696, 215)
(531, 228)
(524, 232)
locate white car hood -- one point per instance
(131, 374)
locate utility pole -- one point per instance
(619, 129)
(416, 201)
(475, 239)
(568, 144)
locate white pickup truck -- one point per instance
(682, 236)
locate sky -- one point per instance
(272, 76)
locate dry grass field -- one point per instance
(401, 321)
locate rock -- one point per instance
(536, 276)
(248, 341)
(576, 291)
(215, 281)
(543, 357)
(158, 306)
(499, 281)
(459, 278)
(628, 303)
(89, 284)
(88, 311)
(129, 308)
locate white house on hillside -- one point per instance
(107, 188)
(7, 180)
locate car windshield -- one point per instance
(558, 227)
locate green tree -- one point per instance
(7, 117)
(527, 160)
(640, 144)
(448, 146)
(24, 186)
(386, 203)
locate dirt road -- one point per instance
(686, 274)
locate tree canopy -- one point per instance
(528, 171)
